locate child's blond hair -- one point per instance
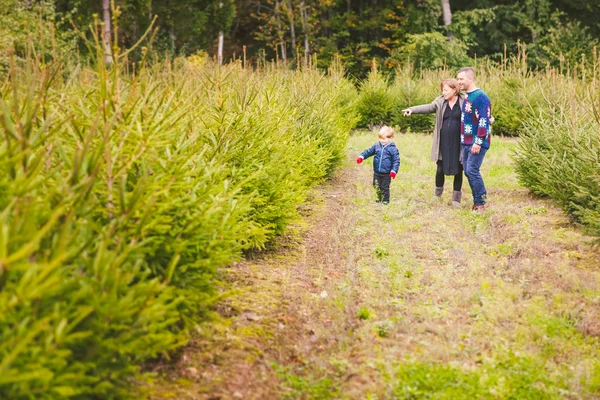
(386, 132)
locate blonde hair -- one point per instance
(452, 84)
(386, 132)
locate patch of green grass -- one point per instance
(254, 331)
(512, 377)
(383, 328)
(531, 210)
(475, 221)
(364, 313)
(512, 219)
(593, 381)
(381, 251)
(305, 384)
(503, 249)
(558, 327)
(414, 380)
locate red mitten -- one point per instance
(359, 160)
(393, 175)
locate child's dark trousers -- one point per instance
(381, 182)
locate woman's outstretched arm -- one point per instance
(422, 109)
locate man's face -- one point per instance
(464, 80)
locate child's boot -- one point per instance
(456, 197)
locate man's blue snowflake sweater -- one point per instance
(475, 119)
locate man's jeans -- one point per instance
(471, 164)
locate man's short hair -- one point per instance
(469, 71)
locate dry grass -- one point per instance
(363, 296)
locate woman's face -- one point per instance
(448, 92)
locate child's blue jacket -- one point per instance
(387, 158)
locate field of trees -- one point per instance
(136, 169)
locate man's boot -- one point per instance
(456, 197)
(479, 209)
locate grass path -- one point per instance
(413, 300)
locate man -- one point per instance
(475, 134)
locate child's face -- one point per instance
(384, 139)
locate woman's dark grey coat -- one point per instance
(437, 106)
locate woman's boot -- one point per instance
(456, 197)
(437, 193)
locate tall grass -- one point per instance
(512, 88)
(122, 193)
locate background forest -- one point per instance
(389, 31)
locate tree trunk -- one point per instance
(304, 15)
(447, 15)
(171, 23)
(107, 32)
(172, 37)
(293, 35)
(220, 45)
(279, 32)
(292, 28)
(220, 48)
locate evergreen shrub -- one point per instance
(558, 153)
(375, 100)
(409, 89)
(121, 195)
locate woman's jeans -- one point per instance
(471, 164)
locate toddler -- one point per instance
(385, 163)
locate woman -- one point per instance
(446, 137)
